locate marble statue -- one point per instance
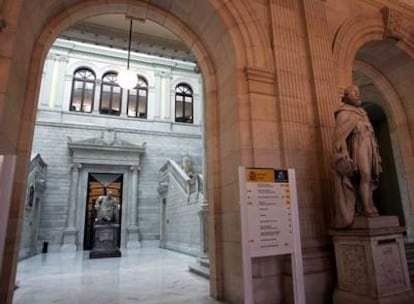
(357, 163)
(107, 208)
(187, 165)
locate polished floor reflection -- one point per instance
(145, 276)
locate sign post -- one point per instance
(270, 223)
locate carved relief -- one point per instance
(389, 272)
(352, 268)
(397, 26)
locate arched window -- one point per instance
(111, 94)
(183, 103)
(137, 99)
(83, 88)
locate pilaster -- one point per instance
(70, 233)
(133, 229)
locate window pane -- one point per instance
(116, 89)
(116, 103)
(142, 107)
(87, 101)
(78, 85)
(132, 94)
(188, 111)
(179, 111)
(179, 98)
(132, 109)
(142, 92)
(106, 88)
(75, 106)
(87, 106)
(105, 100)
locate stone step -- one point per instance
(204, 262)
(200, 270)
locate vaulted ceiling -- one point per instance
(147, 37)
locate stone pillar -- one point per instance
(46, 81)
(97, 96)
(70, 233)
(166, 112)
(60, 85)
(132, 229)
(156, 106)
(203, 213)
(371, 262)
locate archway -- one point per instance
(368, 48)
(214, 88)
(381, 79)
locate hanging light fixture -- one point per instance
(127, 79)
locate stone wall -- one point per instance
(163, 138)
(180, 206)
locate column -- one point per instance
(166, 92)
(70, 233)
(97, 96)
(46, 81)
(132, 229)
(203, 214)
(156, 105)
(61, 81)
(54, 81)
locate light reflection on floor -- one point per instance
(145, 276)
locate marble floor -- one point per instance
(145, 276)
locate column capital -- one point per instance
(135, 168)
(76, 166)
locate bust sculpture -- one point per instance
(357, 163)
(107, 208)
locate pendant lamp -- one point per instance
(127, 79)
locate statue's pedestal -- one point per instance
(371, 263)
(106, 241)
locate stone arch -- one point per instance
(50, 26)
(256, 44)
(349, 38)
(399, 133)
(359, 30)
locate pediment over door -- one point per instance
(107, 149)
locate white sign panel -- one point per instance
(270, 223)
(269, 218)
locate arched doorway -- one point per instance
(219, 51)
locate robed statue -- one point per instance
(357, 163)
(107, 208)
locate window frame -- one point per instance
(142, 84)
(72, 107)
(112, 84)
(182, 90)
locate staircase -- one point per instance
(201, 268)
(409, 251)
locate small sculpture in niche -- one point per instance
(107, 208)
(187, 165)
(357, 162)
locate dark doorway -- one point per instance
(387, 196)
(98, 184)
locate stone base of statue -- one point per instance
(371, 262)
(106, 241)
